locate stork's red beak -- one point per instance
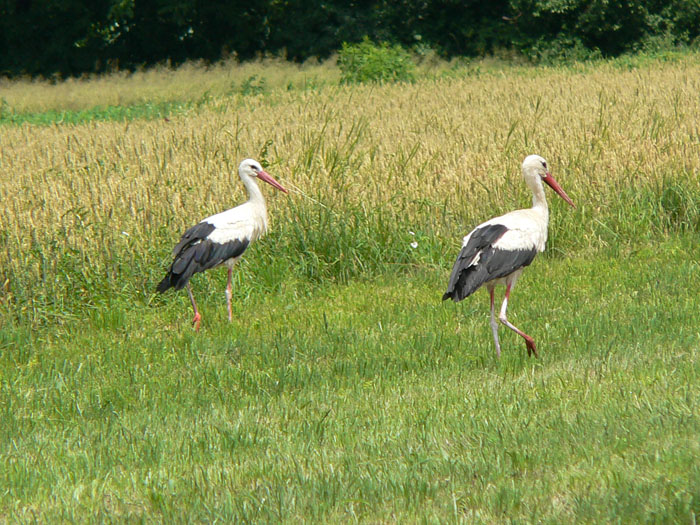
(263, 175)
(555, 186)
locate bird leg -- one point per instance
(529, 341)
(494, 323)
(229, 294)
(197, 317)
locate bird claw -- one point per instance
(195, 321)
(531, 348)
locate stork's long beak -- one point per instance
(555, 186)
(265, 176)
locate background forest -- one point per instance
(72, 37)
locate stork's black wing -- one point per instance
(481, 261)
(196, 252)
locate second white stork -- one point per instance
(221, 238)
(497, 251)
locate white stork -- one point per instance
(221, 238)
(497, 251)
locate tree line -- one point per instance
(72, 37)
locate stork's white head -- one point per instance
(252, 168)
(535, 172)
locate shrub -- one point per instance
(370, 62)
(561, 50)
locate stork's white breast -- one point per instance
(527, 229)
(241, 222)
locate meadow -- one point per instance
(344, 389)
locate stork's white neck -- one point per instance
(256, 206)
(255, 195)
(539, 200)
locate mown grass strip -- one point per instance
(373, 401)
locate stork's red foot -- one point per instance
(530, 344)
(195, 321)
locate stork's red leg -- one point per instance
(229, 294)
(529, 341)
(197, 317)
(494, 323)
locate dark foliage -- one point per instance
(71, 37)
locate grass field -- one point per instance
(345, 390)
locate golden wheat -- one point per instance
(451, 144)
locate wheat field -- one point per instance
(90, 213)
(433, 156)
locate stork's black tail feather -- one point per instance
(465, 279)
(165, 284)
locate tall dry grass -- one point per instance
(189, 82)
(92, 210)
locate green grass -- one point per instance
(147, 111)
(370, 401)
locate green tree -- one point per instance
(49, 36)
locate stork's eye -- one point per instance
(544, 164)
